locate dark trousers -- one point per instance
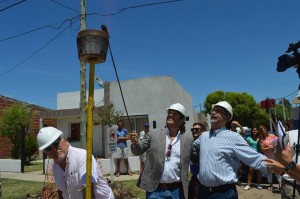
(230, 193)
(194, 187)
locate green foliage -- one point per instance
(31, 147)
(287, 104)
(14, 117)
(245, 109)
(108, 115)
(279, 112)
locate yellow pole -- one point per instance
(89, 138)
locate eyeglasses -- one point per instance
(168, 154)
(54, 144)
(196, 129)
(217, 110)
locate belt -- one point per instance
(287, 182)
(218, 189)
(174, 185)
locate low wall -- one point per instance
(9, 165)
(134, 164)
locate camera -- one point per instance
(286, 61)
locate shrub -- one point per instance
(31, 147)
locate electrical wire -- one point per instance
(35, 52)
(47, 26)
(132, 7)
(77, 16)
(287, 95)
(12, 5)
(77, 12)
(71, 23)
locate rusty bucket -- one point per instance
(92, 45)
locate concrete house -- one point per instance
(146, 100)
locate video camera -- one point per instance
(286, 61)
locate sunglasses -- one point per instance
(196, 129)
(217, 110)
(54, 144)
(168, 154)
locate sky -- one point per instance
(205, 45)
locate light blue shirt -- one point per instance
(220, 152)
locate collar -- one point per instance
(216, 132)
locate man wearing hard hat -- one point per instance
(165, 174)
(220, 151)
(69, 167)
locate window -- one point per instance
(137, 122)
(75, 132)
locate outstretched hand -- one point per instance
(274, 166)
(284, 156)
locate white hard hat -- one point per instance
(226, 106)
(47, 136)
(178, 107)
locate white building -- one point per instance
(146, 100)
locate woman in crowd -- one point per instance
(253, 142)
(267, 143)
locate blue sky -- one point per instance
(205, 45)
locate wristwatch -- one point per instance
(290, 166)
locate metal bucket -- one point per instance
(92, 45)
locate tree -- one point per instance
(245, 109)
(287, 103)
(13, 118)
(108, 115)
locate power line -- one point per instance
(34, 30)
(287, 95)
(132, 7)
(61, 23)
(65, 6)
(72, 21)
(12, 5)
(35, 52)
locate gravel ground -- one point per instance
(255, 193)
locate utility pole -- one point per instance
(283, 109)
(83, 104)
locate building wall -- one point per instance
(144, 96)
(152, 96)
(71, 100)
(5, 102)
(64, 124)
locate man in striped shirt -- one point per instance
(220, 151)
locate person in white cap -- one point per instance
(220, 151)
(69, 167)
(165, 174)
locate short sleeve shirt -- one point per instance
(122, 133)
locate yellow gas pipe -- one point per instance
(89, 137)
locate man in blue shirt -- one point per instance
(220, 151)
(122, 150)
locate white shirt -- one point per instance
(142, 135)
(73, 178)
(171, 171)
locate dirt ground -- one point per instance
(255, 193)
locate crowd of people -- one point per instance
(167, 156)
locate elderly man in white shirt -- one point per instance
(69, 167)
